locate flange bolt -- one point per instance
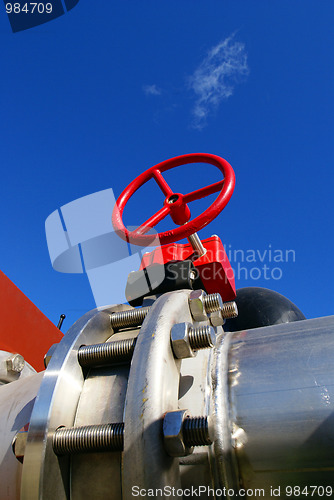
(205, 307)
(182, 432)
(131, 317)
(119, 351)
(186, 339)
(15, 363)
(89, 438)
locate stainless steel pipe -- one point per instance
(281, 396)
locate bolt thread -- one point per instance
(89, 438)
(132, 317)
(196, 431)
(229, 310)
(107, 353)
(201, 337)
(213, 302)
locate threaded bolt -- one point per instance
(186, 339)
(196, 431)
(15, 363)
(89, 438)
(212, 302)
(108, 353)
(132, 317)
(182, 432)
(229, 310)
(201, 337)
(201, 304)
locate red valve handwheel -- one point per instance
(175, 204)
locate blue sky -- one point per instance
(91, 99)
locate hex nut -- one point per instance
(216, 318)
(173, 434)
(196, 305)
(15, 363)
(180, 341)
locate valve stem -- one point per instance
(196, 244)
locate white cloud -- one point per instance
(215, 78)
(151, 90)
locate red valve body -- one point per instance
(214, 267)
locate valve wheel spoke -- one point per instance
(152, 221)
(203, 192)
(163, 185)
